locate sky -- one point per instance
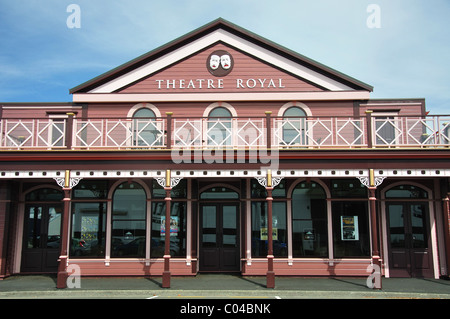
(400, 47)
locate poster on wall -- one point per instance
(264, 233)
(349, 228)
(89, 228)
(174, 225)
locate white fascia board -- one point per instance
(219, 96)
(220, 35)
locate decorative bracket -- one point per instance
(371, 180)
(273, 181)
(61, 181)
(173, 181)
(67, 181)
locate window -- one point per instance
(128, 221)
(219, 192)
(348, 188)
(309, 221)
(406, 191)
(219, 127)
(294, 126)
(259, 229)
(44, 194)
(177, 229)
(145, 128)
(350, 229)
(88, 229)
(387, 128)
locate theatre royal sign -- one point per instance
(219, 64)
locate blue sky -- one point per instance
(407, 57)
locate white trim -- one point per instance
(139, 106)
(233, 40)
(19, 226)
(431, 220)
(227, 106)
(226, 173)
(204, 188)
(70, 107)
(248, 220)
(189, 225)
(207, 97)
(148, 215)
(330, 243)
(286, 106)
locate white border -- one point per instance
(431, 220)
(213, 37)
(220, 96)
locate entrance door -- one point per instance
(409, 240)
(219, 237)
(42, 237)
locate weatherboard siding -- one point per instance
(246, 68)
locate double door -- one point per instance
(42, 238)
(409, 239)
(219, 237)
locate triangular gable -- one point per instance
(179, 51)
(244, 73)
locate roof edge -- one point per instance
(201, 31)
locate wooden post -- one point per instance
(61, 281)
(373, 220)
(446, 214)
(169, 130)
(268, 130)
(69, 130)
(168, 199)
(269, 199)
(369, 129)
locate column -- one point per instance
(269, 182)
(370, 134)
(269, 199)
(5, 206)
(446, 213)
(268, 130)
(168, 183)
(168, 199)
(373, 220)
(62, 276)
(169, 130)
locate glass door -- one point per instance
(42, 237)
(409, 254)
(219, 237)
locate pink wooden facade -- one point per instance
(339, 156)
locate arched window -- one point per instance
(145, 130)
(406, 191)
(128, 221)
(219, 192)
(219, 131)
(295, 126)
(309, 220)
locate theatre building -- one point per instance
(222, 151)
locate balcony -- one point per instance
(170, 132)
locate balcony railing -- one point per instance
(223, 133)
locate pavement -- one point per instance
(221, 286)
